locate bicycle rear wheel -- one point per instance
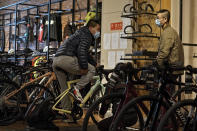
(185, 114)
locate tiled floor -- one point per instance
(63, 126)
(22, 126)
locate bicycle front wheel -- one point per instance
(100, 113)
(145, 108)
(185, 114)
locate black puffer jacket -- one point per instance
(77, 45)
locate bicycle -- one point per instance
(121, 87)
(155, 104)
(16, 98)
(188, 119)
(76, 112)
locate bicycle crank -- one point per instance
(77, 112)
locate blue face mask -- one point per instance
(158, 23)
(97, 35)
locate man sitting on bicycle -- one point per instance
(73, 57)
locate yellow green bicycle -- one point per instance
(55, 103)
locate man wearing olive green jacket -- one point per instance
(170, 47)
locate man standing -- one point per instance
(73, 57)
(170, 47)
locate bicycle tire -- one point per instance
(133, 103)
(27, 76)
(9, 113)
(31, 105)
(55, 84)
(173, 109)
(95, 104)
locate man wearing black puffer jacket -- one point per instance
(73, 57)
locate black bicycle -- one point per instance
(120, 89)
(157, 104)
(187, 109)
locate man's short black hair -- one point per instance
(166, 13)
(93, 23)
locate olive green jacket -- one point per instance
(170, 48)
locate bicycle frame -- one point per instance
(51, 76)
(66, 92)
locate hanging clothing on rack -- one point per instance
(55, 28)
(30, 27)
(41, 30)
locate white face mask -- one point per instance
(97, 35)
(158, 23)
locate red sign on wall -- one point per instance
(116, 26)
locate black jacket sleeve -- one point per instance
(83, 48)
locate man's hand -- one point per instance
(83, 71)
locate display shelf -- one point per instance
(135, 36)
(133, 14)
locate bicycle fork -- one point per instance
(190, 117)
(180, 114)
(195, 122)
